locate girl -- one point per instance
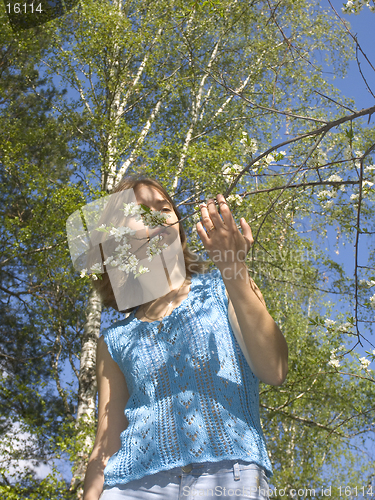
(178, 378)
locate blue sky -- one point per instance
(353, 86)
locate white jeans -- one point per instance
(227, 480)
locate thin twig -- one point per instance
(333, 100)
(358, 232)
(358, 47)
(326, 128)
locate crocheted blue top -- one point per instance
(193, 397)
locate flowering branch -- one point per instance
(122, 258)
(313, 133)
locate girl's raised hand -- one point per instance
(223, 241)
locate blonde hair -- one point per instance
(193, 263)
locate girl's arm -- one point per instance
(261, 340)
(113, 396)
(227, 247)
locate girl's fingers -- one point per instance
(247, 234)
(213, 221)
(213, 214)
(246, 230)
(226, 213)
(206, 219)
(202, 234)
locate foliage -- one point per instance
(355, 6)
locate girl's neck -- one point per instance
(156, 309)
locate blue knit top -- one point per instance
(193, 397)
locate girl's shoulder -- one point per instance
(117, 336)
(118, 326)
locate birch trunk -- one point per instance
(86, 392)
(86, 414)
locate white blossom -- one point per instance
(154, 218)
(155, 248)
(346, 326)
(249, 146)
(323, 194)
(335, 178)
(354, 197)
(96, 268)
(237, 168)
(226, 168)
(254, 146)
(143, 270)
(129, 266)
(326, 194)
(329, 204)
(364, 362)
(367, 183)
(334, 362)
(123, 250)
(372, 301)
(122, 257)
(235, 199)
(232, 170)
(329, 322)
(108, 261)
(120, 232)
(132, 208)
(369, 283)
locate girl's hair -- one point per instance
(193, 263)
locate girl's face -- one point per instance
(155, 200)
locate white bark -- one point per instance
(87, 389)
(195, 111)
(198, 112)
(87, 379)
(140, 140)
(117, 111)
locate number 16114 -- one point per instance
(349, 491)
(19, 8)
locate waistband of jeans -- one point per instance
(214, 467)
